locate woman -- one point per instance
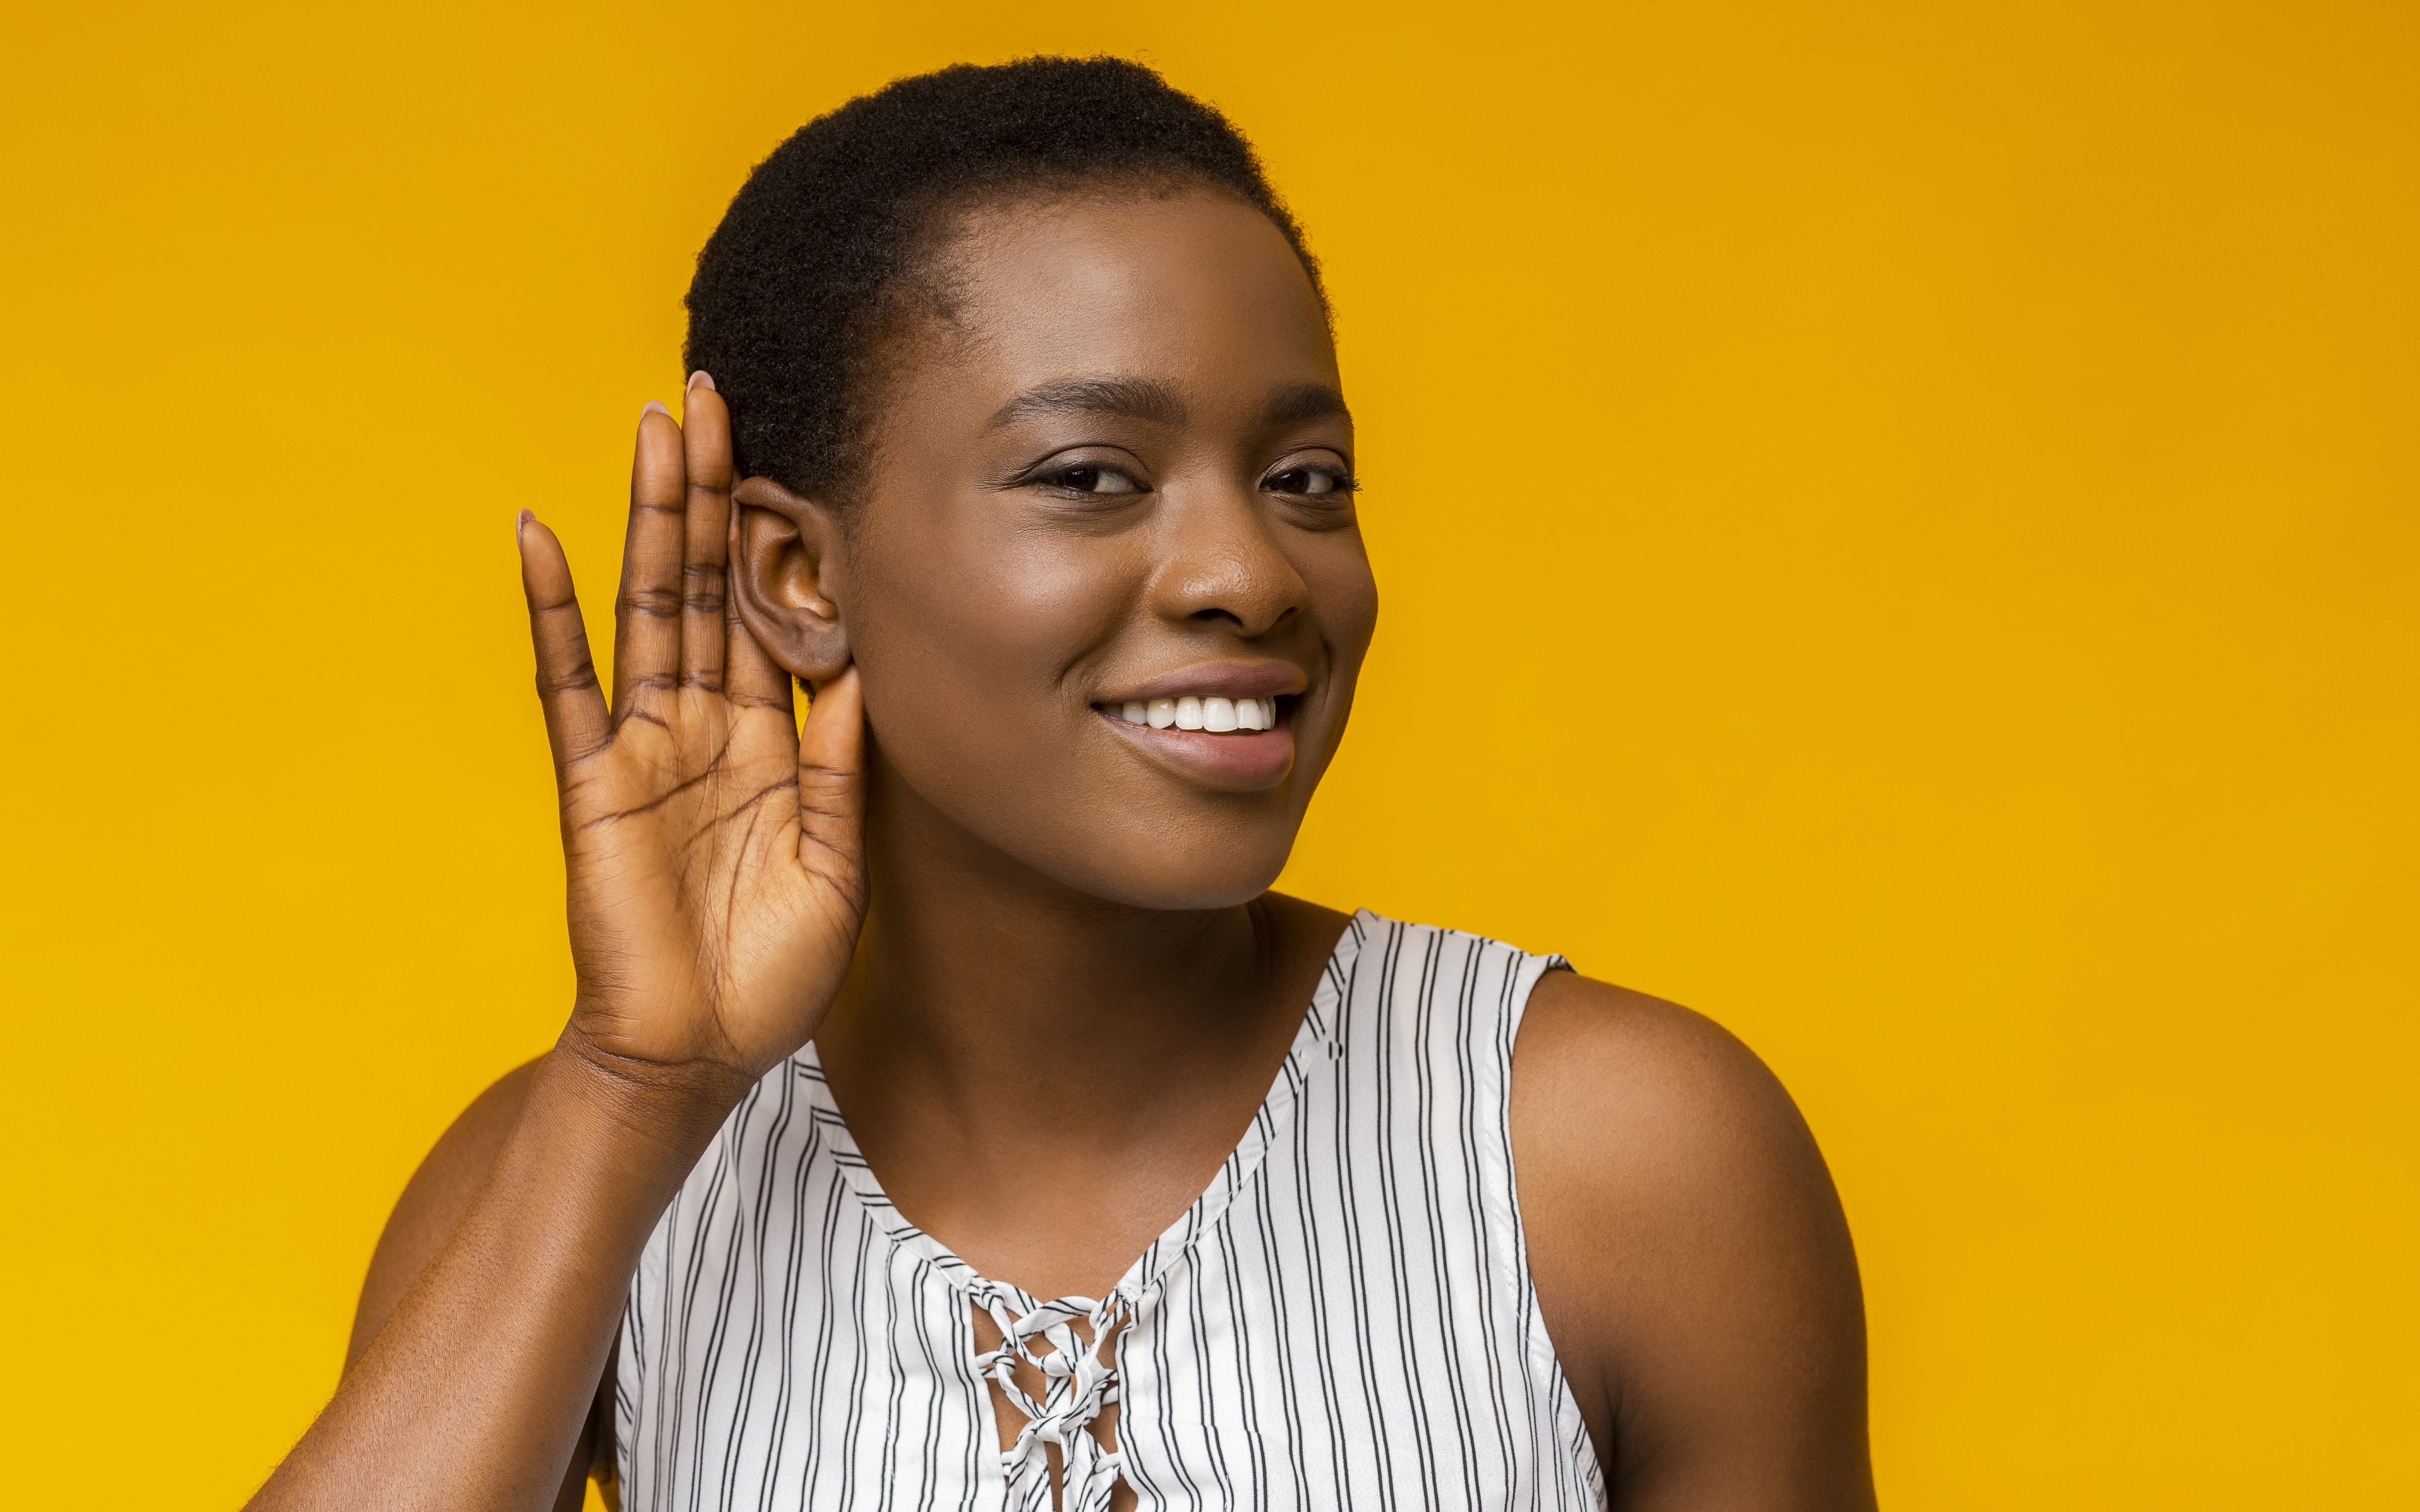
(948, 1116)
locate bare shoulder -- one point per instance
(1606, 1078)
(434, 1200)
(1644, 1134)
(1693, 1265)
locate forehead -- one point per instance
(1194, 289)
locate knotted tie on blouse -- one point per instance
(1078, 1385)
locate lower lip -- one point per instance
(1244, 761)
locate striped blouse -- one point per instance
(1344, 1318)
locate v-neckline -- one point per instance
(1309, 1052)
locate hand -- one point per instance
(716, 857)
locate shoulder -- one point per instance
(1608, 1070)
(1625, 1107)
(1692, 1267)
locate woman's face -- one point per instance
(1120, 473)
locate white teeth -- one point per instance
(1219, 716)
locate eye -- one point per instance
(1090, 478)
(1310, 480)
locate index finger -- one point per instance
(576, 721)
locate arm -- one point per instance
(487, 1320)
(1691, 1261)
(432, 1204)
(716, 872)
(433, 1201)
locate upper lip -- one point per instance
(1217, 679)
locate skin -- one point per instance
(964, 865)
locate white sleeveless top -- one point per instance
(1345, 1318)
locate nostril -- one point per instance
(1230, 616)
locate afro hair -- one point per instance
(795, 296)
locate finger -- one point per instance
(751, 677)
(705, 444)
(575, 720)
(647, 611)
(831, 779)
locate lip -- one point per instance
(1247, 762)
(1217, 679)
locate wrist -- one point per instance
(678, 1105)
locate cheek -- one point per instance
(964, 639)
(1344, 596)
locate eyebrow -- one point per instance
(1138, 399)
(1291, 403)
(1144, 398)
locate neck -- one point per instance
(1043, 1080)
(989, 996)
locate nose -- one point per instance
(1222, 561)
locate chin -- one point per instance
(1214, 876)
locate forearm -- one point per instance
(475, 1391)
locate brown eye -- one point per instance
(1312, 480)
(1094, 480)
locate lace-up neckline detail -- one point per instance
(1071, 1343)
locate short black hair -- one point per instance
(794, 295)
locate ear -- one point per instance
(781, 545)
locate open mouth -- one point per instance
(1214, 716)
(1223, 742)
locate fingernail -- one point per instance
(655, 407)
(522, 523)
(702, 379)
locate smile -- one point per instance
(1217, 716)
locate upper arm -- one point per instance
(432, 1203)
(1691, 1258)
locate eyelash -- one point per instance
(1063, 479)
(1338, 481)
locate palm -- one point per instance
(716, 866)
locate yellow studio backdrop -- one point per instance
(1898, 526)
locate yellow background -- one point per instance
(1898, 526)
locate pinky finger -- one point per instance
(831, 784)
(577, 725)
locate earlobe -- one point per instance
(780, 543)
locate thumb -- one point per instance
(831, 779)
